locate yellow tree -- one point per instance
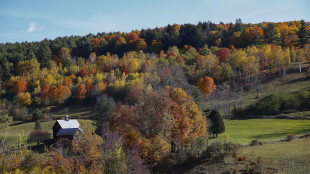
(48, 80)
(235, 62)
(301, 57)
(286, 59)
(23, 99)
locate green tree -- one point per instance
(303, 34)
(272, 34)
(37, 126)
(192, 35)
(64, 54)
(217, 125)
(37, 115)
(5, 121)
(104, 113)
(4, 67)
(44, 55)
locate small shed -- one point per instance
(65, 128)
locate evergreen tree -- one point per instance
(303, 34)
(104, 113)
(37, 126)
(272, 35)
(192, 35)
(238, 26)
(217, 125)
(44, 55)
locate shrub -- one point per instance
(290, 101)
(37, 115)
(241, 158)
(19, 113)
(269, 105)
(259, 159)
(215, 149)
(235, 155)
(290, 137)
(254, 143)
(29, 161)
(197, 146)
(304, 97)
(38, 136)
(230, 147)
(36, 101)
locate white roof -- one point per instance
(72, 123)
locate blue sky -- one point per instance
(34, 20)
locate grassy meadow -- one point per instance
(289, 157)
(19, 128)
(238, 131)
(244, 131)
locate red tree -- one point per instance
(223, 54)
(83, 72)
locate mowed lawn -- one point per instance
(288, 157)
(244, 131)
(19, 128)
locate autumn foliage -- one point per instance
(81, 92)
(206, 85)
(223, 54)
(83, 72)
(23, 99)
(161, 117)
(20, 86)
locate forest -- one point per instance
(149, 91)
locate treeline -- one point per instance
(240, 35)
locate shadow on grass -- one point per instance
(40, 148)
(19, 123)
(299, 80)
(303, 130)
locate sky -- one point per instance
(34, 20)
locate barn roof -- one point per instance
(72, 123)
(63, 132)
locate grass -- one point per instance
(293, 82)
(244, 131)
(238, 131)
(296, 115)
(58, 112)
(20, 128)
(290, 157)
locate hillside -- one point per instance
(148, 99)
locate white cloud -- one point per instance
(33, 26)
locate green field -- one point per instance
(289, 157)
(20, 128)
(244, 131)
(238, 131)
